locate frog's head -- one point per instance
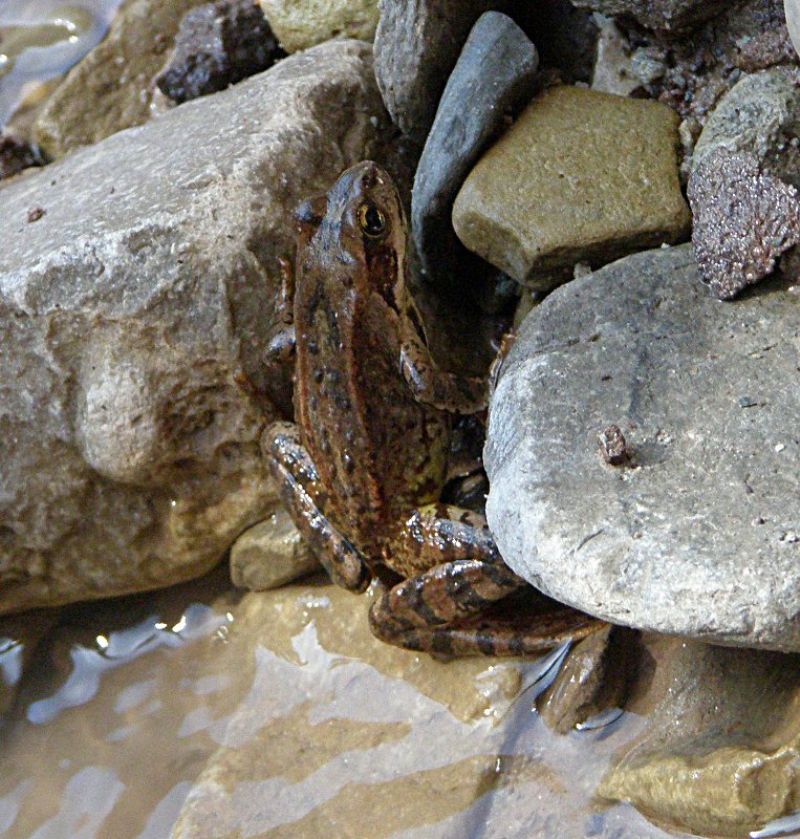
(360, 223)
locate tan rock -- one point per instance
(112, 88)
(270, 554)
(300, 24)
(720, 755)
(342, 735)
(581, 176)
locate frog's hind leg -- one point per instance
(440, 609)
(304, 498)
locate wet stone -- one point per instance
(580, 176)
(494, 73)
(695, 537)
(96, 98)
(743, 220)
(218, 44)
(719, 755)
(594, 679)
(270, 554)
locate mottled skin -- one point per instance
(362, 468)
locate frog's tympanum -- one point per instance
(362, 468)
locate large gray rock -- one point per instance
(495, 74)
(137, 288)
(698, 532)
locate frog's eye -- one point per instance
(371, 220)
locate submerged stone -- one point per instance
(696, 535)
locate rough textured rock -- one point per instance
(112, 88)
(759, 115)
(270, 554)
(134, 318)
(666, 15)
(744, 169)
(417, 43)
(494, 73)
(720, 753)
(743, 220)
(581, 176)
(300, 24)
(217, 45)
(695, 535)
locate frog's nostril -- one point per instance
(310, 213)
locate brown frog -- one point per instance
(362, 468)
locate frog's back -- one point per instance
(378, 451)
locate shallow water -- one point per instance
(41, 39)
(309, 726)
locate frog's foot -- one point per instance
(440, 388)
(440, 610)
(298, 484)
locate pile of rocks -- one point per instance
(535, 144)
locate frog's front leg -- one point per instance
(304, 498)
(440, 388)
(439, 609)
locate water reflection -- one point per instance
(122, 646)
(40, 39)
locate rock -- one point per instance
(760, 115)
(581, 176)
(217, 45)
(594, 679)
(720, 753)
(300, 24)
(271, 554)
(745, 166)
(745, 36)
(16, 155)
(417, 44)
(494, 73)
(613, 68)
(792, 11)
(135, 315)
(338, 734)
(743, 220)
(695, 536)
(112, 88)
(664, 15)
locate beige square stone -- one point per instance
(581, 176)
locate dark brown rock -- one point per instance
(217, 45)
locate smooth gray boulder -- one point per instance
(494, 74)
(138, 280)
(697, 531)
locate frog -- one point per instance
(361, 468)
